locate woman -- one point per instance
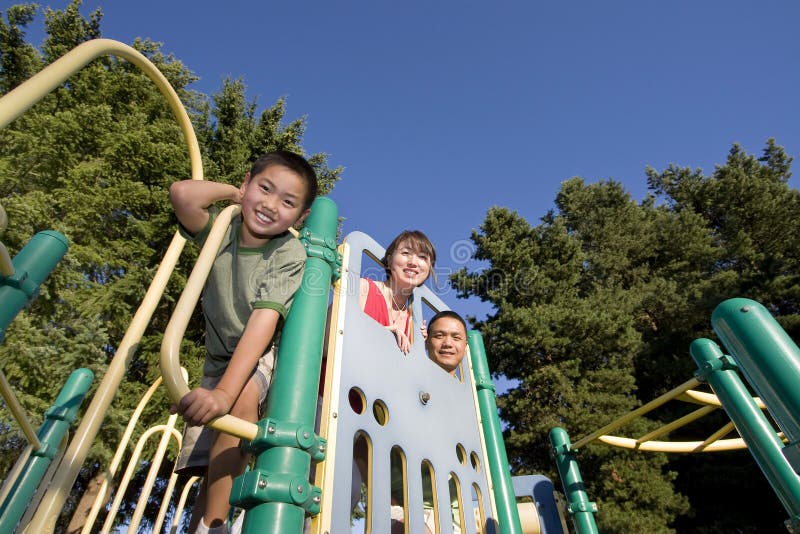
(409, 260)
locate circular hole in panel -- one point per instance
(381, 412)
(476, 463)
(461, 454)
(357, 400)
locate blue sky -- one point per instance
(439, 110)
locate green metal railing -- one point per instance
(276, 493)
(503, 489)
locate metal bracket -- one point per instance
(274, 433)
(258, 486)
(324, 249)
(723, 363)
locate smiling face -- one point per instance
(272, 201)
(408, 268)
(446, 343)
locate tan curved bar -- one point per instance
(712, 400)
(28, 93)
(622, 421)
(132, 467)
(176, 518)
(173, 334)
(674, 446)
(122, 447)
(18, 412)
(12, 105)
(677, 423)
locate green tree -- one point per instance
(94, 160)
(595, 310)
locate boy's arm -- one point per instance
(200, 406)
(191, 199)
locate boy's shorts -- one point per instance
(196, 445)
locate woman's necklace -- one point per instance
(394, 306)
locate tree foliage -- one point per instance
(94, 160)
(596, 308)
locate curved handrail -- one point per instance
(24, 96)
(173, 334)
(648, 442)
(12, 105)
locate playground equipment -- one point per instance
(414, 419)
(768, 359)
(277, 492)
(20, 279)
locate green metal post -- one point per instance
(55, 426)
(762, 441)
(580, 508)
(277, 493)
(32, 265)
(768, 358)
(505, 500)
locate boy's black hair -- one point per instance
(295, 163)
(447, 313)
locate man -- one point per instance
(447, 340)
(446, 344)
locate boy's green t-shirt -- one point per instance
(243, 279)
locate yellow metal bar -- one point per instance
(674, 446)
(14, 104)
(122, 447)
(171, 344)
(711, 399)
(165, 502)
(176, 519)
(724, 431)
(6, 266)
(18, 412)
(677, 423)
(28, 93)
(133, 465)
(168, 432)
(625, 419)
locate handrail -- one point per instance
(173, 334)
(12, 105)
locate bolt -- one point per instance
(271, 429)
(262, 484)
(316, 500)
(424, 397)
(299, 489)
(745, 309)
(305, 435)
(334, 415)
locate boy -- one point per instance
(247, 295)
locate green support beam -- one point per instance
(31, 265)
(507, 513)
(763, 443)
(580, 508)
(277, 493)
(56, 424)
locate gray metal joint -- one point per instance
(324, 249)
(484, 382)
(258, 487)
(20, 280)
(582, 507)
(47, 450)
(723, 363)
(273, 433)
(59, 413)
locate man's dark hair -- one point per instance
(447, 313)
